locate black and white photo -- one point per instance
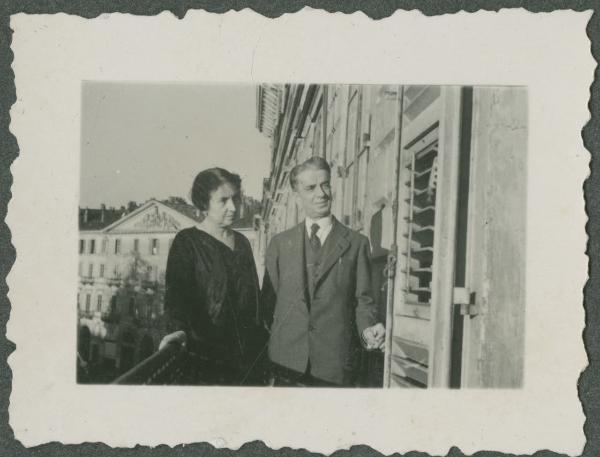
(382, 247)
(315, 231)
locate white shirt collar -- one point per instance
(324, 223)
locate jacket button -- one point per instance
(311, 328)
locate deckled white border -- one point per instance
(549, 53)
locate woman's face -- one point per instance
(223, 205)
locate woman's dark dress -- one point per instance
(212, 294)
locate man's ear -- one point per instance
(296, 196)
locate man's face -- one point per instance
(314, 192)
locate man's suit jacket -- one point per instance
(341, 307)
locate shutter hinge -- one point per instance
(395, 207)
(463, 297)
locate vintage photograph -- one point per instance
(226, 225)
(302, 235)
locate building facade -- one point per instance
(435, 176)
(122, 263)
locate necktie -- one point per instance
(315, 242)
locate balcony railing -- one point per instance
(114, 281)
(166, 366)
(87, 279)
(86, 314)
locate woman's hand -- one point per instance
(175, 337)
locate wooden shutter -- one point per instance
(424, 268)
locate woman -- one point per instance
(212, 288)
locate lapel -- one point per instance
(335, 245)
(295, 245)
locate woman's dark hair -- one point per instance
(207, 181)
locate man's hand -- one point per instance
(374, 337)
(175, 337)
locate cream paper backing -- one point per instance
(548, 53)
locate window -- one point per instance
(82, 246)
(88, 302)
(348, 194)
(102, 270)
(91, 270)
(136, 245)
(329, 146)
(330, 121)
(337, 127)
(351, 132)
(99, 304)
(149, 308)
(154, 246)
(92, 246)
(385, 114)
(351, 145)
(117, 271)
(117, 246)
(104, 246)
(317, 148)
(362, 163)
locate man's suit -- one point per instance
(323, 326)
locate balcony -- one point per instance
(86, 314)
(87, 279)
(114, 281)
(175, 365)
(166, 366)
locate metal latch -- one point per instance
(389, 270)
(466, 299)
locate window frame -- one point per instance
(349, 205)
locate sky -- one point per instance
(142, 141)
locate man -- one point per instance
(317, 291)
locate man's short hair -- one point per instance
(313, 163)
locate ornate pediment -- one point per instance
(157, 221)
(155, 217)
